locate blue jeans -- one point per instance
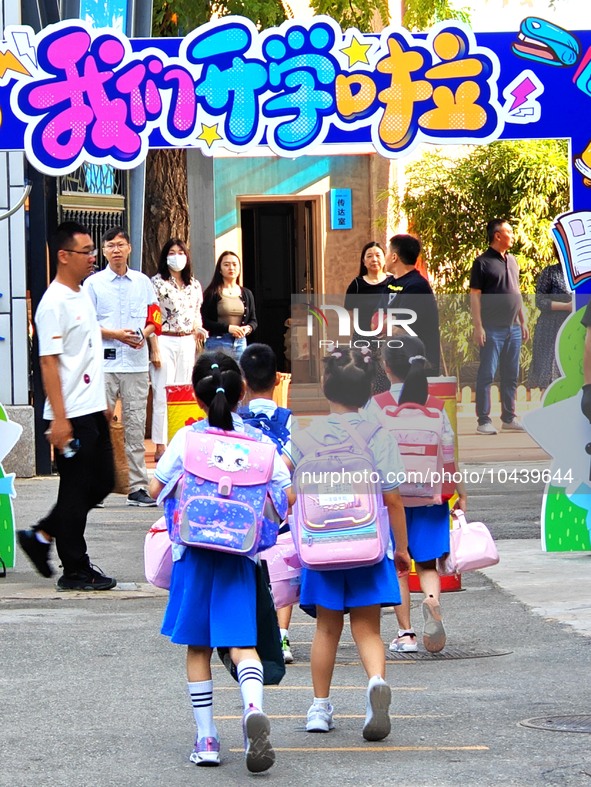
(501, 350)
(227, 344)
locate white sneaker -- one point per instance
(486, 428)
(513, 426)
(377, 719)
(320, 719)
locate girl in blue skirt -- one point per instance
(362, 591)
(212, 599)
(427, 526)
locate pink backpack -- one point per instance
(418, 432)
(339, 518)
(225, 499)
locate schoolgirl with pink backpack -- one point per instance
(426, 440)
(347, 503)
(224, 489)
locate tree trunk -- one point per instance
(166, 213)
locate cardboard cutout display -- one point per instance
(9, 435)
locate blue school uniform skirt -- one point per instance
(352, 587)
(428, 531)
(212, 600)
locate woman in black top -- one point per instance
(228, 308)
(371, 283)
(555, 304)
(365, 294)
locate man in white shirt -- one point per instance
(122, 297)
(70, 350)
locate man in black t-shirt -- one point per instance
(410, 290)
(499, 324)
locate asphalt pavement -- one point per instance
(92, 694)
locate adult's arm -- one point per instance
(478, 332)
(209, 315)
(250, 316)
(352, 291)
(60, 431)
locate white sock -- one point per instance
(284, 633)
(201, 693)
(374, 680)
(40, 537)
(250, 678)
(322, 702)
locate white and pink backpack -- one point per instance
(339, 519)
(418, 430)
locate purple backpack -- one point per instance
(225, 499)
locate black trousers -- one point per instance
(85, 480)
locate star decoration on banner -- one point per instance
(209, 134)
(356, 52)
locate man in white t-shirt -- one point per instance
(122, 298)
(70, 351)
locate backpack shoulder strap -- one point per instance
(385, 399)
(281, 416)
(362, 433)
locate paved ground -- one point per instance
(93, 695)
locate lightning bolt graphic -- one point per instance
(521, 92)
(9, 62)
(23, 46)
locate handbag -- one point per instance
(471, 547)
(285, 571)
(158, 555)
(268, 637)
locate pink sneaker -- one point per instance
(206, 752)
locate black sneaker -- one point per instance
(37, 552)
(87, 579)
(140, 498)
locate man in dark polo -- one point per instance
(500, 326)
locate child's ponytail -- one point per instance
(218, 384)
(406, 361)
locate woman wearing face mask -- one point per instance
(228, 308)
(173, 354)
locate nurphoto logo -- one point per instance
(386, 323)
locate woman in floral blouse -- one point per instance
(173, 355)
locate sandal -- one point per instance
(405, 642)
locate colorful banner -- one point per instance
(73, 93)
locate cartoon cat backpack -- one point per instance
(224, 499)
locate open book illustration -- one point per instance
(572, 232)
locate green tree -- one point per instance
(448, 201)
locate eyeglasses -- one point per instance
(115, 246)
(92, 253)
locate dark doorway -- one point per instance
(277, 250)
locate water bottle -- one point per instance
(71, 448)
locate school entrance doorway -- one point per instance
(278, 252)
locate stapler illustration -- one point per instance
(546, 43)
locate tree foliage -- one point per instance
(448, 201)
(179, 17)
(416, 14)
